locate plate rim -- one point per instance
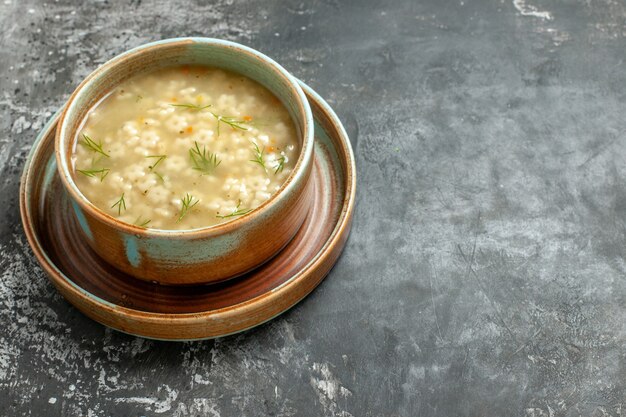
(328, 253)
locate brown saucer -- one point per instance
(191, 312)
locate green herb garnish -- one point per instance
(230, 121)
(142, 223)
(160, 158)
(158, 161)
(93, 145)
(121, 205)
(202, 160)
(93, 172)
(280, 165)
(186, 204)
(258, 156)
(191, 106)
(236, 212)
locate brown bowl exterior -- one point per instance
(203, 255)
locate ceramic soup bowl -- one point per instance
(202, 255)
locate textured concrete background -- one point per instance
(485, 274)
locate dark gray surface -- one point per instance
(485, 271)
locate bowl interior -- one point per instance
(175, 52)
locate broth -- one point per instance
(184, 148)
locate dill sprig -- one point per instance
(280, 165)
(121, 205)
(202, 160)
(236, 212)
(230, 121)
(158, 161)
(93, 145)
(187, 204)
(191, 106)
(160, 158)
(93, 172)
(142, 223)
(258, 156)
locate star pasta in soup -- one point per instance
(184, 148)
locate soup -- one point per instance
(184, 148)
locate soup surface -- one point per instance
(184, 148)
